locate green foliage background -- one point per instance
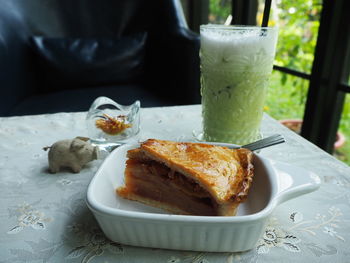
(298, 23)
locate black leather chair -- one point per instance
(59, 55)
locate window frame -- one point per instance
(330, 72)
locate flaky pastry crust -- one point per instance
(224, 174)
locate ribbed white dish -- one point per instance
(132, 223)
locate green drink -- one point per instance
(236, 63)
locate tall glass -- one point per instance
(236, 63)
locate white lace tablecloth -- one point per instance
(44, 217)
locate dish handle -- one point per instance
(294, 181)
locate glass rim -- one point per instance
(238, 27)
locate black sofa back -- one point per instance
(58, 55)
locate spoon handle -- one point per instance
(265, 142)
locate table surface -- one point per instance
(44, 217)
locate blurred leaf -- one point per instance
(284, 79)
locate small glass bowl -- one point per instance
(110, 124)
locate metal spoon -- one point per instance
(265, 142)
(257, 145)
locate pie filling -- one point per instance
(151, 182)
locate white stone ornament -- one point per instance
(71, 153)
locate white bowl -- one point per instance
(132, 223)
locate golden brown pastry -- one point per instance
(188, 178)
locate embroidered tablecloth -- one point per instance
(44, 217)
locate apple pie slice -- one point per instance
(188, 178)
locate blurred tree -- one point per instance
(298, 23)
(219, 10)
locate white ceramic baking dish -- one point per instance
(132, 223)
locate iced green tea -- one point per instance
(236, 63)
